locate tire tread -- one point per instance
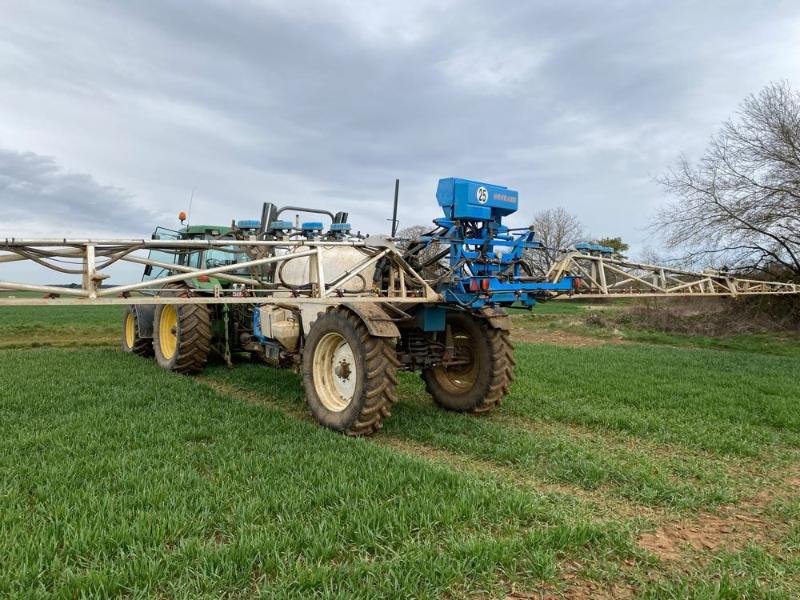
(501, 372)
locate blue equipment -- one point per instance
(597, 249)
(339, 231)
(485, 256)
(311, 229)
(248, 224)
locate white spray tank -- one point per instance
(336, 261)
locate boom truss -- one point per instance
(593, 275)
(601, 276)
(90, 261)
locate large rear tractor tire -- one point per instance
(479, 383)
(349, 375)
(132, 342)
(182, 337)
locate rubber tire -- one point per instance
(194, 339)
(495, 358)
(376, 366)
(141, 346)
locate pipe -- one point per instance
(214, 271)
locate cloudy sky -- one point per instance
(112, 113)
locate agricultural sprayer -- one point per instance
(348, 312)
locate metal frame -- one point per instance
(601, 276)
(90, 259)
(606, 277)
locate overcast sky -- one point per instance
(111, 113)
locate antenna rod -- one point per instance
(394, 214)
(189, 216)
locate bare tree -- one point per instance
(557, 230)
(741, 202)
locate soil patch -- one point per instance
(707, 533)
(559, 338)
(731, 528)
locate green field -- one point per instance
(619, 466)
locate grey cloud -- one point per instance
(37, 195)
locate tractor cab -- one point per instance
(164, 260)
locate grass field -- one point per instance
(620, 465)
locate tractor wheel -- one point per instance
(182, 337)
(479, 383)
(131, 340)
(349, 375)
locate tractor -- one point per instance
(348, 352)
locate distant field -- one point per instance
(27, 326)
(615, 468)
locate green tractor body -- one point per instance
(223, 329)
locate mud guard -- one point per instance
(144, 319)
(375, 318)
(497, 318)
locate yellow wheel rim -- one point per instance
(168, 331)
(130, 330)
